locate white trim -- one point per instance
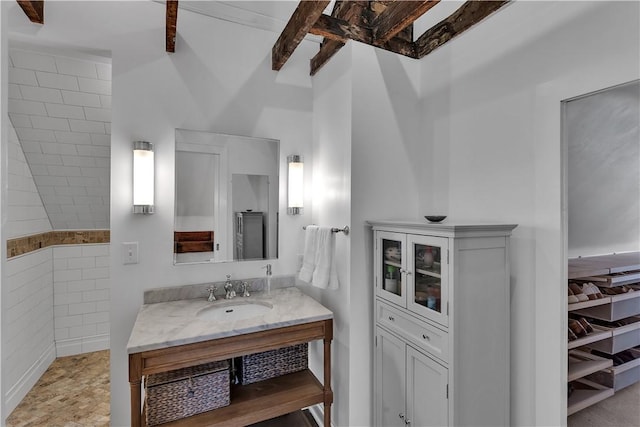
(20, 389)
(317, 412)
(82, 345)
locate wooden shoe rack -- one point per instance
(592, 377)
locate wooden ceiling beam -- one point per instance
(469, 14)
(341, 31)
(350, 11)
(172, 20)
(33, 9)
(327, 50)
(303, 18)
(397, 16)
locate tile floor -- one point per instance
(74, 392)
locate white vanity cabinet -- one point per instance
(441, 312)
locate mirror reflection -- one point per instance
(226, 198)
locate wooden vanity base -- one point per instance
(249, 403)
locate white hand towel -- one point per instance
(309, 254)
(325, 275)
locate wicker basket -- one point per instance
(177, 394)
(269, 364)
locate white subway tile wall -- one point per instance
(81, 298)
(29, 308)
(61, 110)
(25, 214)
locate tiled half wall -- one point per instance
(58, 302)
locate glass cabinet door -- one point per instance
(390, 266)
(429, 272)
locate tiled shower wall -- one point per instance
(56, 298)
(28, 347)
(81, 298)
(28, 341)
(26, 214)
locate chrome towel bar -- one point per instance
(344, 230)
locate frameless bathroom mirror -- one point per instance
(226, 198)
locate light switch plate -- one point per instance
(130, 252)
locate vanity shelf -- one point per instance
(250, 403)
(260, 401)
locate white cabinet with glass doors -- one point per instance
(442, 315)
(413, 273)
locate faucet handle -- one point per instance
(245, 290)
(268, 267)
(212, 290)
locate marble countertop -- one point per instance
(172, 323)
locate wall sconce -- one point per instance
(295, 181)
(143, 177)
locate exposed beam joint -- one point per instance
(469, 14)
(350, 11)
(303, 18)
(33, 9)
(172, 20)
(397, 16)
(341, 31)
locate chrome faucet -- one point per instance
(245, 290)
(228, 286)
(212, 289)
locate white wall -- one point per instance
(386, 158)
(603, 171)
(331, 189)
(492, 111)
(4, 71)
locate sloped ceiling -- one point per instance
(60, 107)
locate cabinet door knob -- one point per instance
(426, 337)
(408, 273)
(393, 319)
(401, 416)
(407, 421)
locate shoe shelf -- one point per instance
(593, 377)
(603, 265)
(612, 280)
(588, 304)
(587, 393)
(582, 364)
(599, 333)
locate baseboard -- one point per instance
(317, 412)
(73, 346)
(19, 390)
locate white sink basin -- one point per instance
(234, 311)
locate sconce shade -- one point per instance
(143, 177)
(295, 181)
